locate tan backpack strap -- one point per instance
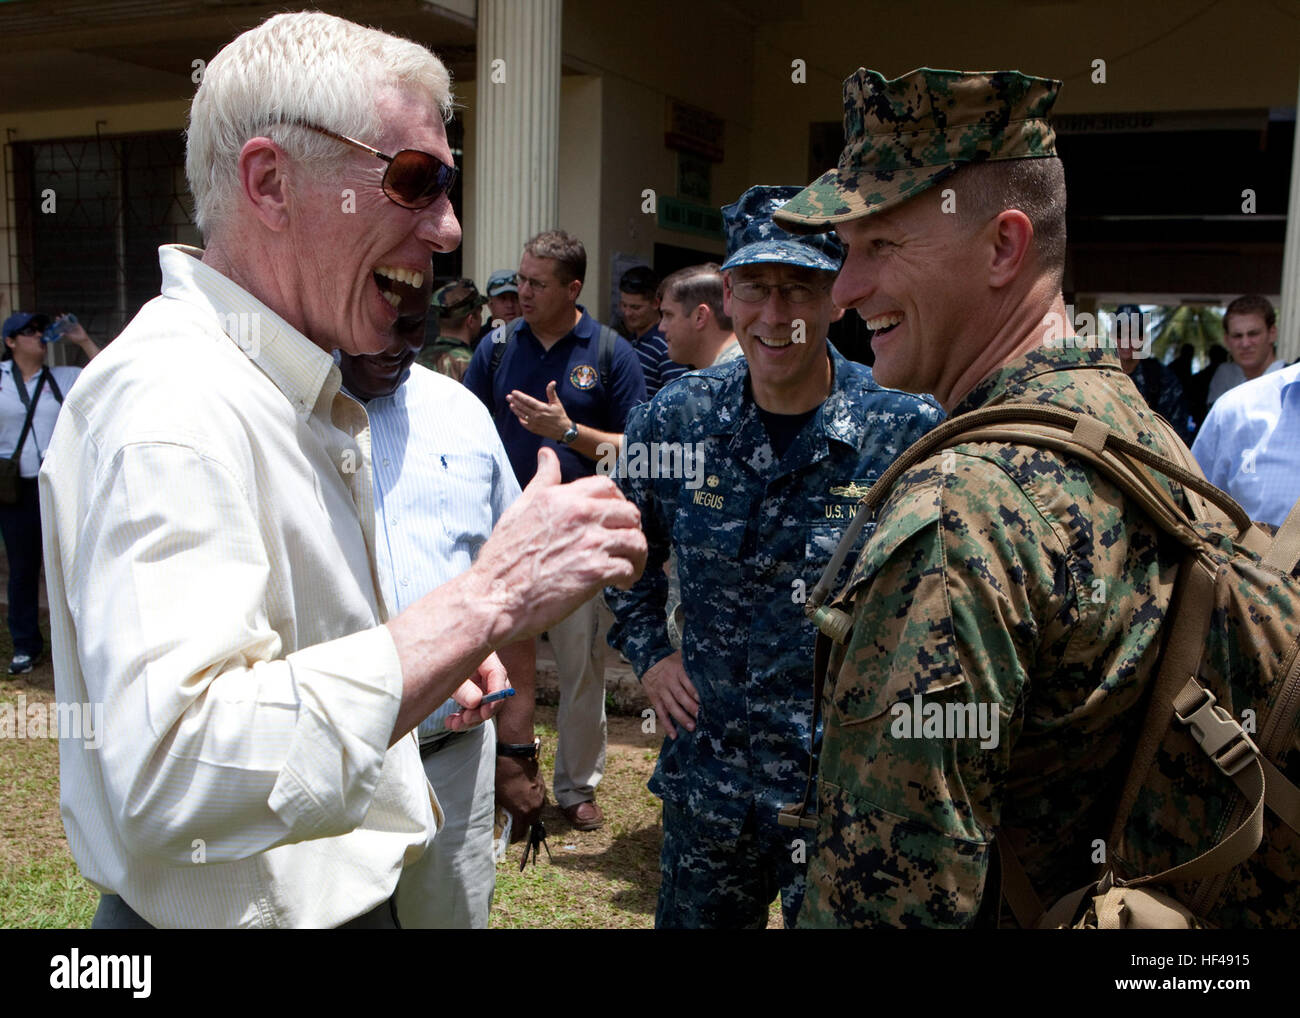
(1282, 796)
(1184, 639)
(1285, 550)
(1089, 438)
(1019, 893)
(1233, 850)
(1232, 750)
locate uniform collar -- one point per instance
(842, 412)
(1042, 360)
(299, 368)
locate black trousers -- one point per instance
(20, 525)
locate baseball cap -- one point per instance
(502, 281)
(19, 320)
(753, 237)
(906, 135)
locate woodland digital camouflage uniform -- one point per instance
(997, 575)
(452, 301)
(906, 135)
(749, 540)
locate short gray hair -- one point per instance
(306, 66)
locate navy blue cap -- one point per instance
(752, 237)
(19, 320)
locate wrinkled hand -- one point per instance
(546, 419)
(520, 792)
(487, 678)
(556, 547)
(671, 694)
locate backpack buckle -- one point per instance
(793, 816)
(1220, 735)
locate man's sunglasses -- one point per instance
(413, 180)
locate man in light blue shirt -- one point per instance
(1249, 444)
(442, 480)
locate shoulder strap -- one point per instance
(54, 386)
(31, 402)
(499, 351)
(605, 355)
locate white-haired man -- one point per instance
(208, 506)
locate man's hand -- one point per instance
(556, 547)
(546, 419)
(520, 792)
(671, 694)
(488, 678)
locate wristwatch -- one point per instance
(523, 750)
(570, 436)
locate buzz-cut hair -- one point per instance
(1252, 304)
(564, 249)
(306, 66)
(1034, 186)
(696, 285)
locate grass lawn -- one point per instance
(595, 879)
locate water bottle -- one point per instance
(55, 331)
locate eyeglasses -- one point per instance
(29, 330)
(413, 180)
(532, 284)
(791, 293)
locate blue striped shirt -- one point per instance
(442, 480)
(652, 349)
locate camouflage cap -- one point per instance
(457, 298)
(502, 281)
(752, 236)
(906, 135)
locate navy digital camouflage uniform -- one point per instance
(750, 539)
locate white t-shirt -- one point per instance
(13, 411)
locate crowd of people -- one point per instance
(316, 644)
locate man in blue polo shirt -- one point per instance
(546, 388)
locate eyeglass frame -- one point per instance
(450, 168)
(814, 291)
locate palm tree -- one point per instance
(1200, 325)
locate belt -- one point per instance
(437, 743)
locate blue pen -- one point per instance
(500, 694)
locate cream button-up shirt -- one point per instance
(208, 515)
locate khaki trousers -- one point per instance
(579, 647)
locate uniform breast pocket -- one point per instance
(825, 536)
(463, 481)
(708, 532)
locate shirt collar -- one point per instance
(1041, 360)
(299, 368)
(585, 329)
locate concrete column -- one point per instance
(1288, 322)
(517, 129)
